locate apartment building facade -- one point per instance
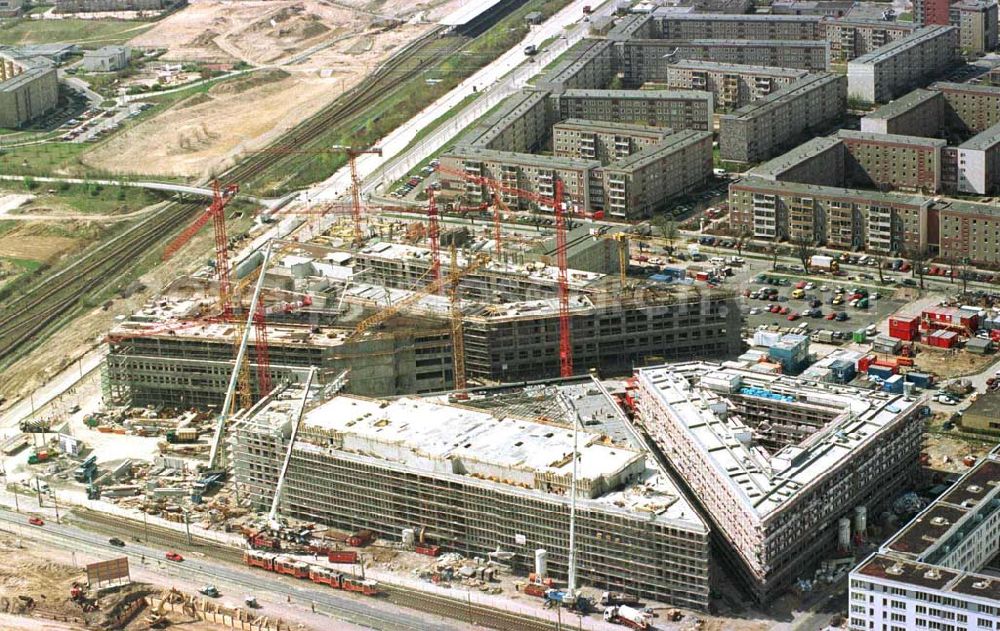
(917, 113)
(837, 217)
(732, 85)
(674, 109)
(850, 38)
(638, 185)
(905, 64)
(892, 162)
(720, 26)
(969, 108)
(606, 142)
(978, 163)
(976, 21)
(969, 230)
(29, 88)
(764, 128)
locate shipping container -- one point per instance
(342, 556)
(881, 372)
(893, 384)
(921, 379)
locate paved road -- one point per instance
(494, 82)
(54, 388)
(229, 579)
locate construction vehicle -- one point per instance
(39, 456)
(207, 483)
(360, 538)
(251, 602)
(87, 471)
(618, 598)
(627, 616)
(209, 590)
(78, 594)
(36, 426)
(558, 597)
(182, 435)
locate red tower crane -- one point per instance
(221, 196)
(434, 235)
(493, 185)
(556, 203)
(352, 158)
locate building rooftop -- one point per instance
(26, 77)
(986, 139)
(903, 104)
(892, 139)
(512, 108)
(736, 43)
(467, 152)
(629, 129)
(429, 435)
(964, 207)
(918, 37)
(847, 194)
(714, 66)
(966, 88)
(669, 145)
(572, 61)
(697, 398)
(987, 405)
(919, 553)
(724, 17)
(862, 20)
(469, 11)
(773, 168)
(790, 92)
(641, 95)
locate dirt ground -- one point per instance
(951, 363)
(35, 243)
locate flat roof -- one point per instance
(771, 71)
(871, 21)
(788, 93)
(469, 11)
(737, 43)
(809, 149)
(628, 129)
(903, 104)
(26, 77)
(640, 95)
(894, 139)
(527, 159)
(669, 145)
(696, 394)
(729, 17)
(853, 194)
(916, 38)
(967, 88)
(984, 140)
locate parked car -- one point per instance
(115, 541)
(173, 556)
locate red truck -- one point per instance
(535, 589)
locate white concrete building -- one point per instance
(930, 574)
(979, 163)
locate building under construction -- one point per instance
(510, 329)
(778, 465)
(482, 484)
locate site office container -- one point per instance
(904, 328)
(943, 339)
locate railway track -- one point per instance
(473, 613)
(24, 319)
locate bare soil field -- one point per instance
(33, 243)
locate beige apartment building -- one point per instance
(851, 38)
(905, 64)
(977, 25)
(732, 85)
(29, 88)
(675, 109)
(721, 26)
(606, 142)
(757, 131)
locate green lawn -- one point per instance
(86, 198)
(87, 33)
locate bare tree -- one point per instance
(918, 259)
(804, 249)
(773, 248)
(741, 240)
(880, 261)
(668, 231)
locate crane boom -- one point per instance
(432, 288)
(220, 427)
(272, 516)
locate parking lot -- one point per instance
(787, 301)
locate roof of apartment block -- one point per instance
(26, 77)
(918, 37)
(967, 88)
(628, 26)
(727, 17)
(774, 167)
(790, 92)
(847, 194)
(467, 152)
(736, 43)
(669, 145)
(625, 129)
(747, 69)
(892, 139)
(640, 95)
(974, 5)
(571, 62)
(696, 397)
(429, 435)
(915, 554)
(984, 140)
(903, 104)
(511, 109)
(871, 21)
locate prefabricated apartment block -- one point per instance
(931, 574)
(29, 88)
(757, 131)
(479, 484)
(732, 85)
(774, 462)
(905, 64)
(851, 38)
